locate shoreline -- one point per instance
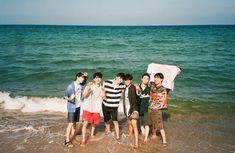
(44, 132)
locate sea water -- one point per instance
(38, 62)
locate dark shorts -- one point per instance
(110, 113)
(74, 116)
(143, 119)
(156, 120)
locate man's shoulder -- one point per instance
(71, 85)
(121, 84)
(132, 89)
(163, 88)
(108, 81)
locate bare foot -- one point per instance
(136, 147)
(92, 138)
(146, 141)
(154, 137)
(82, 144)
(164, 144)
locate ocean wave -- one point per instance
(58, 104)
(36, 104)
(32, 104)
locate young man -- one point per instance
(113, 89)
(158, 101)
(130, 98)
(93, 95)
(143, 90)
(73, 95)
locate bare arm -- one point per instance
(137, 88)
(103, 94)
(165, 98)
(87, 90)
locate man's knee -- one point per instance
(115, 122)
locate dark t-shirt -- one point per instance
(144, 100)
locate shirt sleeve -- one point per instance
(68, 92)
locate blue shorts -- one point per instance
(73, 117)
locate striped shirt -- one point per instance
(113, 93)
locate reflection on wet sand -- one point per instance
(45, 131)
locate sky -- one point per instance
(117, 12)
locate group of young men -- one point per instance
(141, 102)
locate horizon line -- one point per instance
(117, 25)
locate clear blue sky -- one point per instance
(117, 12)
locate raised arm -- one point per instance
(103, 93)
(137, 88)
(165, 98)
(87, 90)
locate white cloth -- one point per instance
(169, 72)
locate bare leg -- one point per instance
(73, 131)
(116, 126)
(130, 129)
(154, 131)
(84, 127)
(107, 126)
(134, 125)
(69, 131)
(142, 130)
(146, 133)
(163, 134)
(92, 130)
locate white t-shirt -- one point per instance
(93, 102)
(78, 91)
(127, 100)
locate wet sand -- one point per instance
(186, 132)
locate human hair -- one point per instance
(121, 75)
(97, 74)
(160, 75)
(128, 77)
(79, 74)
(146, 74)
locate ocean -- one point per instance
(37, 62)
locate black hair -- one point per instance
(146, 74)
(160, 75)
(79, 74)
(128, 77)
(121, 75)
(97, 74)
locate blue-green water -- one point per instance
(38, 62)
(41, 61)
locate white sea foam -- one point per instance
(28, 128)
(36, 104)
(32, 104)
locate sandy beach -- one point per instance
(186, 132)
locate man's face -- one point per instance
(145, 80)
(97, 80)
(127, 82)
(80, 79)
(157, 80)
(118, 80)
